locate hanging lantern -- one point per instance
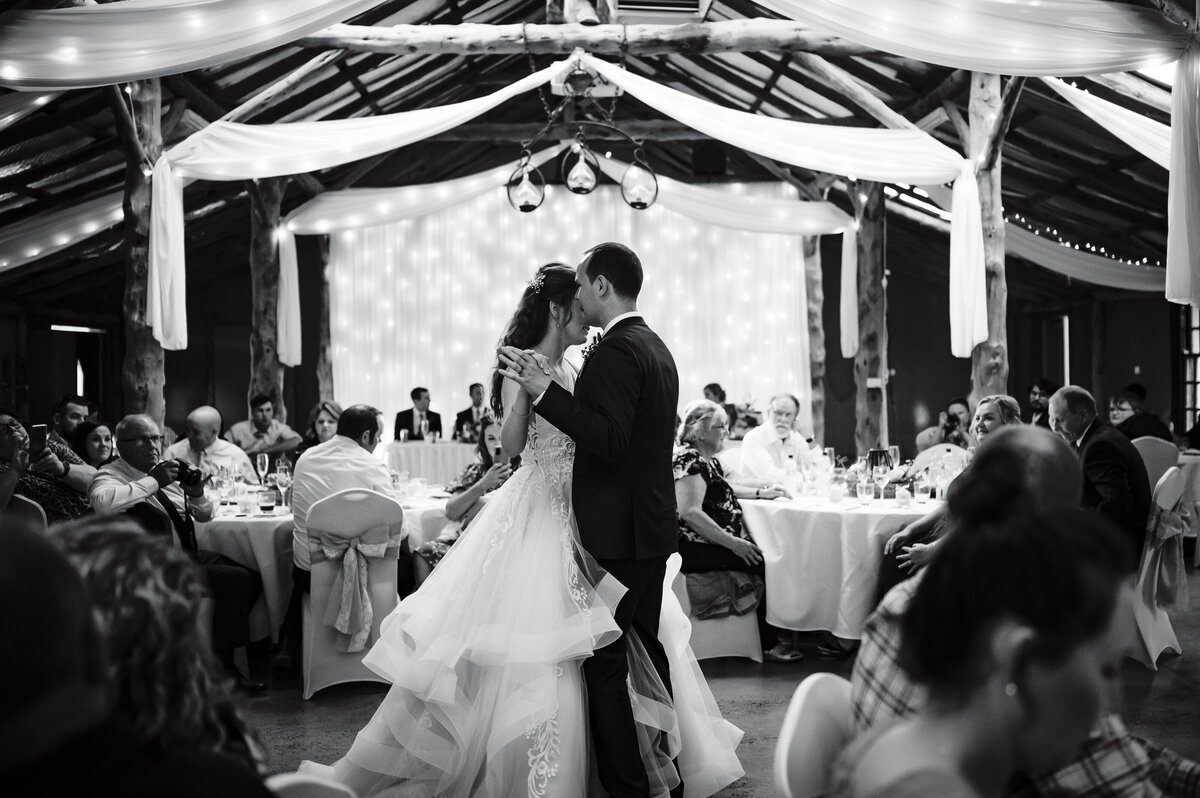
(639, 185)
(580, 167)
(526, 186)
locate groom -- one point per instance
(622, 419)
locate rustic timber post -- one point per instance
(990, 114)
(872, 313)
(816, 334)
(142, 374)
(324, 362)
(266, 372)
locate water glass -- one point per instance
(865, 492)
(247, 502)
(403, 436)
(831, 456)
(921, 492)
(266, 501)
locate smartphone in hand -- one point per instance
(37, 440)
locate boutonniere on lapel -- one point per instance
(591, 347)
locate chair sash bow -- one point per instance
(349, 609)
(1166, 577)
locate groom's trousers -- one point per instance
(618, 759)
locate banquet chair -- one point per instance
(730, 636)
(1161, 578)
(948, 452)
(815, 729)
(25, 511)
(731, 461)
(307, 785)
(1157, 454)
(353, 535)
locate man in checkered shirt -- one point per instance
(1112, 761)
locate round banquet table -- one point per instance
(261, 542)
(423, 519)
(437, 463)
(822, 558)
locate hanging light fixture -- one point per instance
(526, 186)
(580, 166)
(639, 184)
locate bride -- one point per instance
(487, 698)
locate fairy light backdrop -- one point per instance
(424, 301)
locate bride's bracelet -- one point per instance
(519, 415)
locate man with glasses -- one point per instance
(771, 452)
(146, 488)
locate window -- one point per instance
(1189, 337)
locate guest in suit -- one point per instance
(410, 420)
(1125, 412)
(467, 422)
(1040, 391)
(1114, 476)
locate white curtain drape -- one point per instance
(96, 45)
(15, 107)
(42, 235)
(1085, 266)
(419, 303)
(1048, 38)
(1150, 138)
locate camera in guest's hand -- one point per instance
(189, 477)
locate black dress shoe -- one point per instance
(244, 684)
(836, 650)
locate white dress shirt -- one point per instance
(337, 464)
(119, 486)
(765, 454)
(219, 454)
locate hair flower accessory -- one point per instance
(537, 282)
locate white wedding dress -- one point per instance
(487, 698)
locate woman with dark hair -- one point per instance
(1013, 634)
(322, 425)
(714, 393)
(467, 496)
(169, 686)
(93, 441)
(487, 697)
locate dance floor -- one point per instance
(1162, 706)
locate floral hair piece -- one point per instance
(537, 282)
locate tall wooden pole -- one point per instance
(816, 334)
(872, 313)
(324, 362)
(138, 112)
(266, 372)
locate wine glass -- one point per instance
(262, 464)
(880, 475)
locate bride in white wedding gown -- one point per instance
(487, 698)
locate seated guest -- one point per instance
(202, 447)
(742, 426)
(713, 392)
(952, 426)
(711, 534)
(468, 494)
(467, 422)
(1040, 391)
(58, 730)
(262, 432)
(914, 545)
(1012, 633)
(413, 421)
(1126, 414)
(69, 412)
(773, 450)
(344, 461)
(1115, 482)
(322, 425)
(56, 478)
(92, 441)
(151, 492)
(146, 594)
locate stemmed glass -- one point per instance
(262, 463)
(880, 476)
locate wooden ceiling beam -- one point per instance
(734, 36)
(1136, 88)
(505, 133)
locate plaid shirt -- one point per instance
(1112, 763)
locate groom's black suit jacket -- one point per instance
(622, 419)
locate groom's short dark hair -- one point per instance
(619, 264)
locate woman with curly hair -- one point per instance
(168, 684)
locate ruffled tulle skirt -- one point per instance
(487, 698)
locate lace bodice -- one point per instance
(550, 449)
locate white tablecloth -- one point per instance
(438, 463)
(263, 543)
(423, 519)
(822, 558)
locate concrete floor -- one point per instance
(1162, 706)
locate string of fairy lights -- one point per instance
(1051, 232)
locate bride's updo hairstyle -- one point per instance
(554, 282)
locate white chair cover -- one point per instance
(816, 727)
(731, 462)
(731, 636)
(1157, 454)
(307, 785)
(1161, 580)
(26, 511)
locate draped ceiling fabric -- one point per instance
(730, 304)
(15, 107)
(1085, 266)
(41, 235)
(97, 45)
(1047, 38)
(1150, 138)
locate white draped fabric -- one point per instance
(1011, 37)
(1085, 266)
(96, 45)
(1150, 138)
(15, 107)
(42, 235)
(1048, 38)
(423, 301)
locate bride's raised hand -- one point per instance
(522, 367)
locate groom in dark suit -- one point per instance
(622, 419)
